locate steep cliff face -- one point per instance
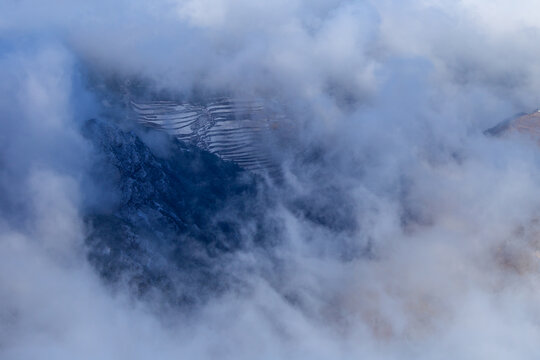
(173, 216)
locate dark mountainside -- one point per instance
(172, 220)
(174, 215)
(168, 223)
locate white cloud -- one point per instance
(395, 94)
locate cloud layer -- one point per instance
(390, 100)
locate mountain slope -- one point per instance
(173, 216)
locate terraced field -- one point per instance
(235, 130)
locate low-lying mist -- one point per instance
(399, 230)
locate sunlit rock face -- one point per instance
(529, 123)
(523, 124)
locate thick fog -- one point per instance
(387, 102)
